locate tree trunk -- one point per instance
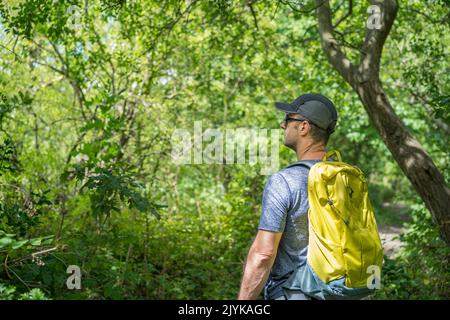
(364, 78)
(412, 158)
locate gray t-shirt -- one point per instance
(285, 209)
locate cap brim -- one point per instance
(285, 107)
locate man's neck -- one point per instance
(311, 152)
(313, 156)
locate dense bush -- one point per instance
(421, 270)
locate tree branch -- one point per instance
(347, 44)
(255, 20)
(427, 106)
(290, 4)
(348, 14)
(329, 43)
(375, 39)
(445, 19)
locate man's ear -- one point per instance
(304, 128)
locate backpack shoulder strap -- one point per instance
(327, 157)
(301, 163)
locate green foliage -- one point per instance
(421, 271)
(9, 293)
(7, 161)
(8, 241)
(87, 113)
(34, 294)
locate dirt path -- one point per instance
(390, 239)
(390, 233)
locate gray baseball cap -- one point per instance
(317, 108)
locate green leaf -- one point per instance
(19, 244)
(36, 241)
(48, 240)
(5, 242)
(113, 292)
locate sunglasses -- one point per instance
(287, 119)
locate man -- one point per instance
(281, 243)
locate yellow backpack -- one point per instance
(343, 234)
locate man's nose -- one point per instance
(283, 124)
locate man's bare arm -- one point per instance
(259, 262)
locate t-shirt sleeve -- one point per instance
(275, 204)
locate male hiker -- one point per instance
(282, 239)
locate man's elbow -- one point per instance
(262, 256)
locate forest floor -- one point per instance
(391, 225)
